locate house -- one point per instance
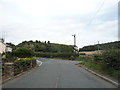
(4, 47)
(8, 48)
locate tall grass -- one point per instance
(106, 62)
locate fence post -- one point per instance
(31, 63)
(8, 70)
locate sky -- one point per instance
(57, 20)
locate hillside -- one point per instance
(103, 46)
(39, 46)
(47, 49)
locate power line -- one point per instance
(96, 12)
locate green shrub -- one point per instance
(23, 64)
(4, 60)
(17, 68)
(82, 53)
(9, 57)
(86, 58)
(106, 62)
(98, 58)
(23, 52)
(56, 55)
(111, 58)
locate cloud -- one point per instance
(57, 20)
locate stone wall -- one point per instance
(7, 71)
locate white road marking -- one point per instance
(39, 62)
(56, 85)
(57, 80)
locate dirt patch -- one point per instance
(92, 52)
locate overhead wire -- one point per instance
(96, 12)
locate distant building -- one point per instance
(8, 49)
(4, 47)
(76, 49)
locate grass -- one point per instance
(100, 68)
(92, 65)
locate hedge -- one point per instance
(110, 58)
(23, 64)
(65, 55)
(22, 52)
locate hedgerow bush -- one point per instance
(23, 52)
(110, 58)
(8, 57)
(106, 62)
(56, 55)
(23, 64)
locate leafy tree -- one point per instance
(23, 52)
(11, 45)
(48, 49)
(48, 42)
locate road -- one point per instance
(58, 74)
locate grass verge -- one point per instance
(100, 68)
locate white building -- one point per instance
(4, 47)
(8, 49)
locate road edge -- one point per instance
(103, 77)
(39, 63)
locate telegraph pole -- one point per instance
(74, 43)
(74, 39)
(98, 47)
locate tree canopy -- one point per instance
(111, 45)
(39, 46)
(23, 52)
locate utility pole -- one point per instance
(74, 43)
(74, 39)
(98, 47)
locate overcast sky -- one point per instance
(57, 20)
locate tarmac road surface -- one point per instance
(54, 73)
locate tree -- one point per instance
(48, 42)
(23, 52)
(11, 45)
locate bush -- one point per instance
(23, 64)
(108, 62)
(23, 52)
(57, 55)
(9, 57)
(98, 58)
(82, 53)
(111, 58)
(86, 58)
